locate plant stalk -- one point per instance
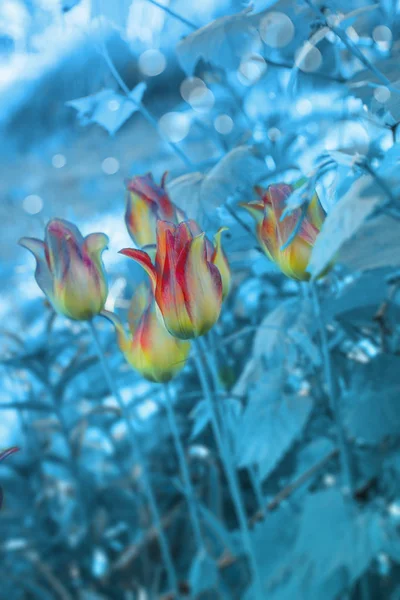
(332, 395)
(230, 472)
(183, 466)
(155, 513)
(211, 361)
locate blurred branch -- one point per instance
(174, 14)
(227, 559)
(54, 583)
(143, 110)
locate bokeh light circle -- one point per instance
(152, 62)
(251, 69)
(308, 58)
(175, 126)
(223, 124)
(113, 105)
(32, 204)
(110, 165)
(382, 33)
(58, 161)
(382, 94)
(189, 85)
(276, 29)
(303, 107)
(274, 134)
(201, 99)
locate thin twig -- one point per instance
(143, 110)
(174, 14)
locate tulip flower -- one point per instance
(145, 203)
(69, 269)
(273, 233)
(4, 455)
(150, 348)
(190, 277)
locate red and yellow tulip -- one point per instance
(69, 269)
(190, 277)
(273, 233)
(145, 203)
(149, 348)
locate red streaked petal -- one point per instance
(201, 284)
(146, 187)
(170, 297)
(276, 196)
(163, 227)
(144, 261)
(141, 219)
(183, 235)
(64, 243)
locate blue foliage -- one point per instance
(288, 410)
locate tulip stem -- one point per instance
(332, 395)
(229, 471)
(344, 455)
(183, 466)
(155, 513)
(211, 361)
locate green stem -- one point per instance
(183, 466)
(230, 473)
(211, 360)
(155, 513)
(332, 395)
(72, 463)
(344, 454)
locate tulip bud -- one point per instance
(145, 203)
(69, 269)
(274, 233)
(188, 284)
(150, 348)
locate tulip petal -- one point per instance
(139, 304)
(170, 295)
(201, 284)
(79, 280)
(64, 243)
(220, 260)
(151, 349)
(315, 213)
(141, 219)
(144, 261)
(256, 209)
(94, 245)
(183, 234)
(122, 337)
(146, 187)
(267, 233)
(158, 355)
(162, 228)
(42, 273)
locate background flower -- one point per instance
(69, 269)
